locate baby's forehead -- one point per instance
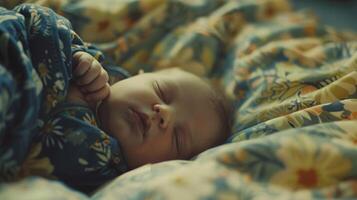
(185, 80)
(178, 75)
(171, 72)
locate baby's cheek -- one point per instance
(160, 148)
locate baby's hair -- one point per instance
(224, 109)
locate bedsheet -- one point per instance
(293, 82)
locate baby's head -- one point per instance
(164, 115)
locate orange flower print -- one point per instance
(307, 89)
(308, 164)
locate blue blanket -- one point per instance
(40, 133)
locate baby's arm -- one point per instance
(90, 80)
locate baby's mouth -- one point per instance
(141, 121)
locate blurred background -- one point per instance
(338, 13)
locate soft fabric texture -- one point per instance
(42, 134)
(292, 79)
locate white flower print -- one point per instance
(53, 133)
(90, 119)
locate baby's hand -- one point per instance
(90, 77)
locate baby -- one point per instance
(158, 116)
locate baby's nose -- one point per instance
(164, 114)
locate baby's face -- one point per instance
(160, 116)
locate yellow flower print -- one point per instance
(295, 55)
(338, 90)
(227, 195)
(43, 72)
(316, 110)
(194, 3)
(270, 111)
(309, 165)
(36, 166)
(178, 182)
(350, 105)
(201, 26)
(348, 136)
(297, 119)
(146, 6)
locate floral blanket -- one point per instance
(293, 82)
(41, 133)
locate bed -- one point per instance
(293, 82)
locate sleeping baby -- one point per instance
(60, 119)
(164, 115)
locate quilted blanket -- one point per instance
(293, 82)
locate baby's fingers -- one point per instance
(91, 74)
(98, 83)
(99, 94)
(82, 63)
